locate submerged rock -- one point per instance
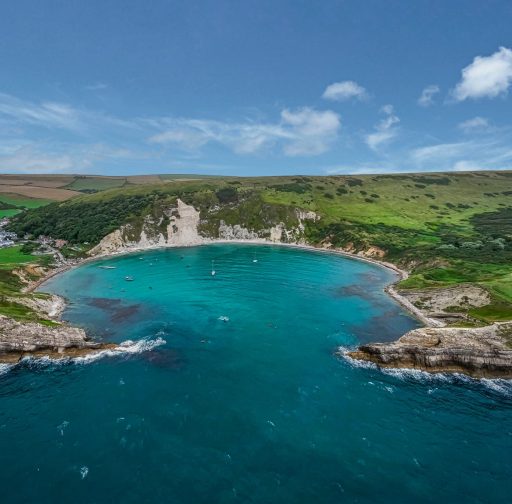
(484, 352)
(22, 339)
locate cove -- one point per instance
(241, 398)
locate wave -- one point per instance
(5, 368)
(499, 385)
(127, 347)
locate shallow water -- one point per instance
(231, 392)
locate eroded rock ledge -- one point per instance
(484, 352)
(18, 340)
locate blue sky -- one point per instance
(255, 87)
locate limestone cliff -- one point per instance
(484, 352)
(181, 225)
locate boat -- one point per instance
(107, 267)
(128, 278)
(213, 269)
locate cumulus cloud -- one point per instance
(476, 124)
(301, 132)
(385, 130)
(312, 131)
(486, 77)
(426, 98)
(345, 90)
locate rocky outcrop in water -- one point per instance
(484, 352)
(18, 340)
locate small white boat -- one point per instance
(213, 269)
(254, 260)
(128, 278)
(107, 267)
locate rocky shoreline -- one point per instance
(31, 339)
(478, 352)
(483, 352)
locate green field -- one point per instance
(18, 204)
(96, 184)
(13, 256)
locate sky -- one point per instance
(267, 87)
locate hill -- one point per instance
(446, 229)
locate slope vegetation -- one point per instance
(445, 229)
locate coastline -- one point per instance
(433, 347)
(389, 289)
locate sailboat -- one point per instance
(213, 268)
(254, 260)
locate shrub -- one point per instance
(227, 195)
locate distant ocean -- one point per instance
(229, 391)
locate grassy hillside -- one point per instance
(444, 228)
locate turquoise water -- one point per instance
(233, 393)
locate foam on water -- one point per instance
(127, 347)
(499, 385)
(5, 368)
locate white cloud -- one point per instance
(45, 114)
(187, 138)
(386, 129)
(479, 153)
(27, 160)
(97, 86)
(476, 124)
(29, 157)
(302, 132)
(427, 95)
(487, 77)
(312, 131)
(438, 152)
(345, 90)
(465, 165)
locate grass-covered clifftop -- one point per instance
(445, 229)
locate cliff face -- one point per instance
(484, 352)
(181, 225)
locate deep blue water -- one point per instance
(256, 408)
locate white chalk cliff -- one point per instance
(183, 229)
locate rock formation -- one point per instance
(18, 340)
(483, 352)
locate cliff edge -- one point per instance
(483, 352)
